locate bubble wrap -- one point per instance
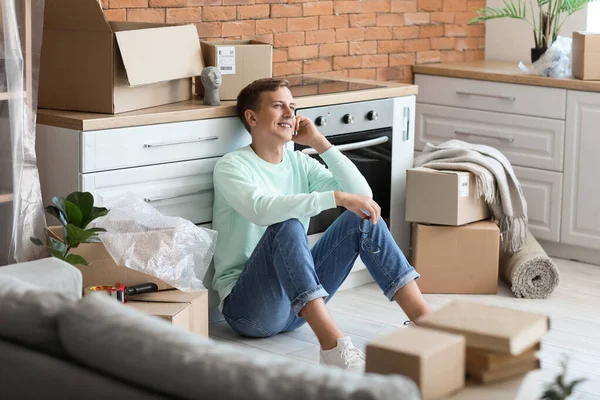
(172, 249)
(555, 62)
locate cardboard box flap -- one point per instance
(75, 15)
(160, 54)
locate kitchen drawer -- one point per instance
(525, 141)
(110, 149)
(183, 189)
(536, 101)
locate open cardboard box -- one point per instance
(90, 64)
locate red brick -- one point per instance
(303, 24)
(455, 5)
(280, 55)
(406, 32)
(357, 48)
(473, 5)
(320, 36)
(464, 17)
(482, 42)
(375, 60)
(358, 20)
(382, 6)
(378, 33)
(277, 25)
(312, 66)
(417, 45)
(474, 55)
(289, 39)
(179, 3)
(347, 7)
(347, 34)
(287, 68)
(467, 44)
(303, 52)
(408, 75)
(442, 17)
(402, 59)
(153, 15)
(455, 30)
(363, 73)
(347, 62)
(429, 5)
(128, 3)
(237, 2)
(400, 6)
(268, 1)
(390, 46)
(428, 31)
(452, 56)
(286, 10)
(116, 15)
(390, 19)
(318, 8)
(428, 57)
(476, 30)
(183, 15)
(390, 73)
(418, 18)
(239, 28)
(443, 43)
(333, 21)
(104, 4)
(253, 12)
(209, 29)
(218, 14)
(333, 49)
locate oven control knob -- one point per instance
(372, 115)
(348, 119)
(321, 121)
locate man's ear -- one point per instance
(250, 117)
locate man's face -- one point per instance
(275, 117)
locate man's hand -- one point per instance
(358, 204)
(309, 135)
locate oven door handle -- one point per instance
(353, 146)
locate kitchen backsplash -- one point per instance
(373, 39)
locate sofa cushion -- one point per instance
(28, 314)
(145, 350)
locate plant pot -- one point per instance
(536, 53)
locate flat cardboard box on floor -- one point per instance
(586, 55)
(186, 310)
(456, 259)
(91, 64)
(103, 270)
(443, 197)
(434, 360)
(240, 62)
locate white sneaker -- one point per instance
(344, 355)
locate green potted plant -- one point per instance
(74, 212)
(560, 389)
(546, 26)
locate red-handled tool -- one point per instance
(122, 292)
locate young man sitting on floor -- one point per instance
(268, 279)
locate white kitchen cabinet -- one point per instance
(581, 194)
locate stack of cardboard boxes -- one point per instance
(454, 244)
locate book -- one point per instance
(489, 327)
(490, 361)
(481, 376)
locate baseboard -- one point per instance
(356, 278)
(570, 252)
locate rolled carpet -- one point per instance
(530, 272)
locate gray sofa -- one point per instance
(55, 344)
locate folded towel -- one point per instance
(496, 182)
(530, 272)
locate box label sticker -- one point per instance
(226, 60)
(464, 186)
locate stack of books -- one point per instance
(501, 342)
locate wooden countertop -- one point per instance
(194, 109)
(501, 71)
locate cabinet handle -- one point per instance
(506, 139)
(154, 199)
(406, 123)
(200, 139)
(493, 96)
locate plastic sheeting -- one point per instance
(23, 217)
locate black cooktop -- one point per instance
(310, 86)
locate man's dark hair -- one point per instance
(249, 97)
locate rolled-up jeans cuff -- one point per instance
(309, 295)
(400, 282)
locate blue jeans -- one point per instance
(283, 274)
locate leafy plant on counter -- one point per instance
(560, 389)
(74, 212)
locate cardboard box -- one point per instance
(91, 64)
(240, 62)
(186, 310)
(456, 259)
(434, 360)
(586, 55)
(103, 270)
(443, 197)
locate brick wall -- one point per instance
(373, 39)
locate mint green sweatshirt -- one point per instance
(251, 194)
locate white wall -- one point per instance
(512, 39)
